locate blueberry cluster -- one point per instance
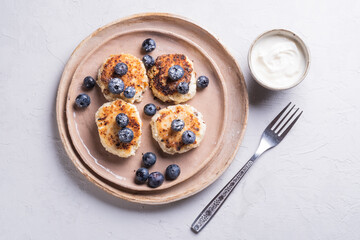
(117, 86)
(125, 134)
(188, 136)
(154, 179)
(83, 100)
(148, 45)
(175, 73)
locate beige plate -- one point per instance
(121, 171)
(224, 105)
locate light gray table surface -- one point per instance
(306, 188)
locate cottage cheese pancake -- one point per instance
(108, 128)
(169, 140)
(135, 76)
(165, 89)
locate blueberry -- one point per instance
(149, 45)
(89, 82)
(202, 82)
(82, 100)
(122, 120)
(177, 125)
(126, 135)
(141, 175)
(188, 137)
(116, 86)
(149, 159)
(150, 109)
(183, 88)
(155, 179)
(121, 69)
(129, 92)
(148, 61)
(175, 72)
(172, 172)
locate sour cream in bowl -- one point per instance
(278, 59)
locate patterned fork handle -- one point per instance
(214, 205)
(271, 137)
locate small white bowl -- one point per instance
(287, 34)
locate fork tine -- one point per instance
(278, 125)
(277, 117)
(288, 121)
(291, 125)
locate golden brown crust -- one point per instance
(160, 84)
(108, 128)
(171, 141)
(135, 77)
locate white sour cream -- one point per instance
(277, 61)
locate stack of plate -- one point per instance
(224, 105)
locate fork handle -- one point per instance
(209, 211)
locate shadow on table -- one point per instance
(257, 93)
(90, 188)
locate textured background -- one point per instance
(306, 188)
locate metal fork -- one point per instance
(272, 136)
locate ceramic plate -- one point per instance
(224, 105)
(210, 102)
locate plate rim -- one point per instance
(74, 156)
